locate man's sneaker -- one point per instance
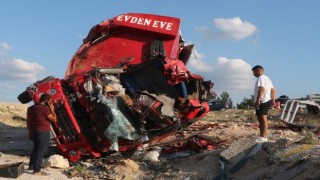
(42, 173)
(261, 139)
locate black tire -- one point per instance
(24, 97)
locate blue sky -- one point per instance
(38, 38)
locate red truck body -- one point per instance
(127, 85)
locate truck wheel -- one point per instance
(24, 97)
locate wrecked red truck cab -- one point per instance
(127, 85)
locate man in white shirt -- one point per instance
(264, 98)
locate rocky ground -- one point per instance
(290, 153)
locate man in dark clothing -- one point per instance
(39, 116)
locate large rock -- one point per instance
(56, 161)
(237, 150)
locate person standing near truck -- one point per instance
(39, 116)
(264, 98)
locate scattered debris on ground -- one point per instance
(231, 153)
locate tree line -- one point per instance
(224, 97)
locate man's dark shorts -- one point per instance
(263, 109)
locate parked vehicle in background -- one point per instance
(313, 109)
(293, 106)
(283, 100)
(217, 105)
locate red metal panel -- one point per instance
(155, 23)
(150, 52)
(126, 38)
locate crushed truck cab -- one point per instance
(127, 85)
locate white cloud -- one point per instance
(9, 86)
(229, 75)
(20, 70)
(4, 48)
(197, 63)
(16, 74)
(233, 74)
(233, 28)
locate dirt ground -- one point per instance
(289, 154)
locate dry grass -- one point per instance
(297, 150)
(309, 137)
(307, 119)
